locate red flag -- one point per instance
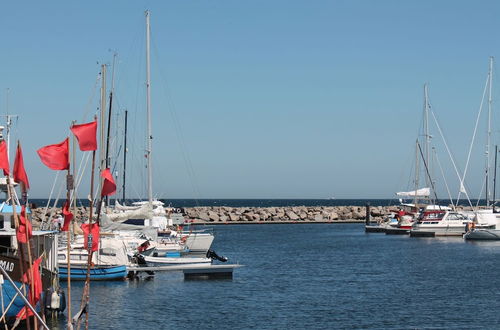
(109, 185)
(19, 171)
(86, 135)
(94, 231)
(24, 230)
(4, 158)
(55, 156)
(35, 286)
(68, 216)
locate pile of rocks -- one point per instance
(276, 214)
(225, 214)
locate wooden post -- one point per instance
(367, 217)
(69, 187)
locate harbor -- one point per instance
(228, 165)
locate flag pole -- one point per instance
(69, 188)
(30, 265)
(86, 290)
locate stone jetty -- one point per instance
(239, 215)
(224, 214)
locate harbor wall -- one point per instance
(228, 215)
(224, 214)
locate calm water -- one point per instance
(315, 276)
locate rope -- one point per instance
(449, 154)
(473, 139)
(48, 201)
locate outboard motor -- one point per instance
(141, 261)
(212, 255)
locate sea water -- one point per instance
(313, 276)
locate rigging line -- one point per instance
(50, 197)
(80, 174)
(449, 153)
(92, 97)
(178, 129)
(480, 192)
(444, 178)
(473, 137)
(427, 170)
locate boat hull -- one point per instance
(440, 231)
(483, 235)
(168, 261)
(99, 273)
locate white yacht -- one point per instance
(441, 223)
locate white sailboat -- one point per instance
(152, 213)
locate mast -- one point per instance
(109, 114)
(416, 175)
(495, 179)
(490, 82)
(102, 152)
(124, 157)
(426, 129)
(148, 107)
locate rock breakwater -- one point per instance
(224, 214)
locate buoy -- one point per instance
(62, 301)
(55, 301)
(47, 298)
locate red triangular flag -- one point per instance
(68, 216)
(24, 230)
(55, 156)
(109, 185)
(35, 286)
(86, 135)
(94, 231)
(4, 158)
(19, 171)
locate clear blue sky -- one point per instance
(273, 99)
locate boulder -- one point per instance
(292, 215)
(213, 216)
(204, 216)
(318, 217)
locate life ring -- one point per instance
(184, 239)
(178, 210)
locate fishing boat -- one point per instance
(43, 244)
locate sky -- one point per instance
(256, 99)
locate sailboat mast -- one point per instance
(148, 107)
(426, 129)
(124, 156)
(102, 152)
(490, 82)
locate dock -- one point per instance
(198, 271)
(374, 229)
(421, 233)
(397, 231)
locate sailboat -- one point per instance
(151, 213)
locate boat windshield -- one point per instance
(456, 216)
(429, 216)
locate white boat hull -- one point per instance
(169, 261)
